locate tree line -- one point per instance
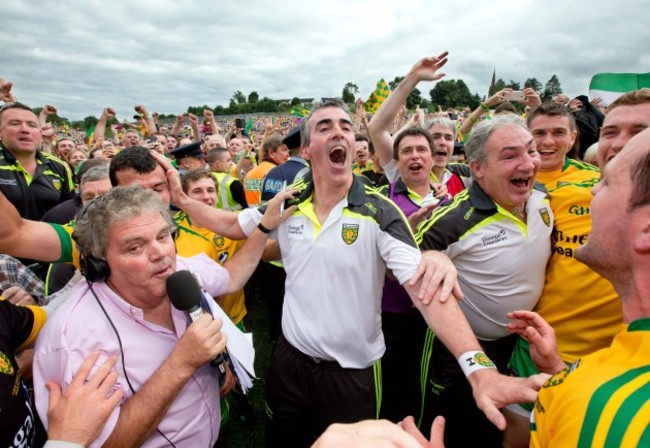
(451, 93)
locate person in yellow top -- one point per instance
(362, 160)
(200, 184)
(580, 305)
(604, 398)
(274, 153)
(554, 130)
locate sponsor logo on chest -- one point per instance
(489, 240)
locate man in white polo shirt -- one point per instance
(336, 248)
(498, 234)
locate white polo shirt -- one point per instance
(335, 273)
(501, 261)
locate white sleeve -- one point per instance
(249, 219)
(391, 171)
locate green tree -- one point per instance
(514, 85)
(295, 101)
(90, 121)
(534, 84)
(239, 97)
(350, 92)
(253, 97)
(499, 85)
(453, 93)
(552, 88)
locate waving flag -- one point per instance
(299, 111)
(610, 86)
(377, 97)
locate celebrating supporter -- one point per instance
(32, 180)
(498, 235)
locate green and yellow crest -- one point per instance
(57, 184)
(218, 240)
(545, 216)
(349, 233)
(482, 360)
(5, 365)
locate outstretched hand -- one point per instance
(426, 69)
(79, 414)
(438, 277)
(541, 339)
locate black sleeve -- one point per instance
(237, 191)
(16, 323)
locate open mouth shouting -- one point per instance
(523, 183)
(338, 155)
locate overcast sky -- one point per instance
(82, 56)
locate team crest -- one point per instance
(5, 365)
(218, 240)
(57, 184)
(482, 360)
(349, 233)
(545, 216)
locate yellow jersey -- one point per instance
(191, 240)
(602, 401)
(580, 305)
(573, 171)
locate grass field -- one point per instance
(250, 434)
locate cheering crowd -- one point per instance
(432, 279)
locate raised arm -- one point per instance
(148, 119)
(5, 91)
(177, 124)
(209, 116)
(47, 110)
(242, 265)
(475, 116)
(194, 122)
(379, 127)
(219, 221)
(100, 127)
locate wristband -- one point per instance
(471, 120)
(263, 229)
(484, 108)
(472, 361)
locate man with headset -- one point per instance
(122, 308)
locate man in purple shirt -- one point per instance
(126, 312)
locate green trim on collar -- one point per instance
(642, 324)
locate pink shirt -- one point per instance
(80, 327)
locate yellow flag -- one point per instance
(377, 97)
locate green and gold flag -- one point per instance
(299, 111)
(377, 97)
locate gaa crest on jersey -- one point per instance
(5, 365)
(546, 217)
(349, 233)
(218, 241)
(57, 184)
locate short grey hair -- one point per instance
(93, 175)
(305, 138)
(443, 121)
(117, 205)
(476, 147)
